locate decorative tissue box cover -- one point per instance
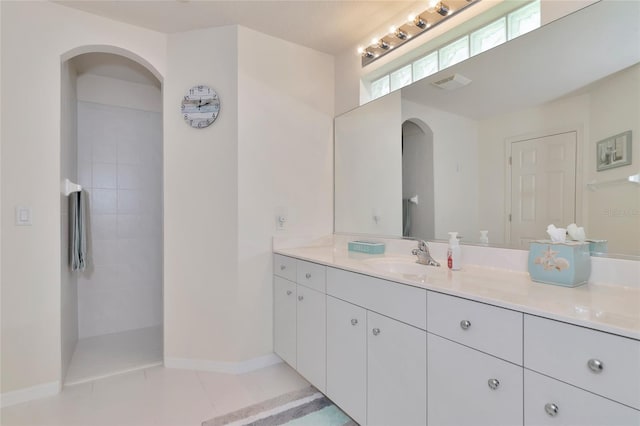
(567, 264)
(366, 247)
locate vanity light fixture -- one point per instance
(419, 22)
(365, 53)
(442, 9)
(401, 34)
(415, 25)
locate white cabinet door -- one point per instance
(397, 373)
(347, 357)
(284, 320)
(311, 336)
(468, 387)
(551, 402)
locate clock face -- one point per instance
(200, 106)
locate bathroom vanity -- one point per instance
(416, 345)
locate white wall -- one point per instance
(201, 200)
(120, 168)
(285, 165)
(68, 169)
(614, 211)
(31, 255)
(112, 91)
(269, 151)
(455, 169)
(368, 163)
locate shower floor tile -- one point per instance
(102, 356)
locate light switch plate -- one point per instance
(23, 216)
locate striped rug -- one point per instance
(305, 407)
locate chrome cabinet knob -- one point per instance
(308, 275)
(282, 267)
(288, 292)
(493, 383)
(595, 365)
(300, 298)
(551, 409)
(375, 331)
(464, 324)
(354, 321)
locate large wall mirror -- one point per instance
(511, 152)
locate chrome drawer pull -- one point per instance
(288, 292)
(551, 409)
(493, 383)
(595, 365)
(465, 324)
(375, 331)
(282, 267)
(354, 321)
(308, 275)
(300, 298)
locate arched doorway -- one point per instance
(111, 144)
(418, 211)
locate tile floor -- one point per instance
(155, 396)
(101, 356)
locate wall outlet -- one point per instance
(281, 222)
(282, 218)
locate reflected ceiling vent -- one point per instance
(452, 82)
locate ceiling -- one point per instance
(330, 26)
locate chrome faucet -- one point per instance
(424, 257)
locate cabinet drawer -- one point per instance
(402, 302)
(550, 402)
(490, 329)
(311, 275)
(568, 353)
(284, 267)
(468, 387)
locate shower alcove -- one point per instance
(111, 144)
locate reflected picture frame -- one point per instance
(615, 151)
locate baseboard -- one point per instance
(29, 394)
(223, 367)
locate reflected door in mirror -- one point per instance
(543, 173)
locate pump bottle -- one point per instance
(453, 253)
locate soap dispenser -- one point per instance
(484, 237)
(453, 253)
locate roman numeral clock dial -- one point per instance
(200, 106)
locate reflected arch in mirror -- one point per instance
(418, 213)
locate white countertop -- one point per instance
(611, 308)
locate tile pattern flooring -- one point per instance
(155, 396)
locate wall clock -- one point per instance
(200, 106)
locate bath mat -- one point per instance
(305, 407)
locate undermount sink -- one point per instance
(397, 266)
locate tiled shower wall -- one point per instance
(120, 167)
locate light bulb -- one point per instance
(360, 50)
